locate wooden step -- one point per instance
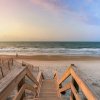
(48, 95)
(48, 90)
(48, 98)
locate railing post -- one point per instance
(12, 61)
(21, 83)
(1, 71)
(75, 85)
(0, 60)
(8, 65)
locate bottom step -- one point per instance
(47, 99)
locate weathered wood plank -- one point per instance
(75, 92)
(71, 96)
(1, 71)
(9, 82)
(66, 87)
(57, 84)
(65, 76)
(83, 84)
(80, 81)
(30, 66)
(30, 76)
(50, 91)
(31, 88)
(39, 79)
(76, 87)
(21, 91)
(20, 84)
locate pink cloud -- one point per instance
(54, 6)
(51, 5)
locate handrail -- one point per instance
(56, 78)
(31, 77)
(20, 93)
(65, 75)
(39, 79)
(78, 81)
(5, 63)
(9, 82)
(30, 66)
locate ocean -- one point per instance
(50, 48)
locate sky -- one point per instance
(49, 20)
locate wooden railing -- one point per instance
(40, 77)
(16, 78)
(30, 66)
(5, 65)
(77, 82)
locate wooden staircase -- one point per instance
(46, 89)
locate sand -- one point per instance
(53, 57)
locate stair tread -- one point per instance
(50, 98)
(48, 90)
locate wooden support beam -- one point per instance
(56, 79)
(76, 87)
(30, 76)
(66, 87)
(20, 84)
(1, 70)
(82, 84)
(39, 79)
(9, 82)
(19, 95)
(9, 65)
(65, 76)
(71, 96)
(22, 89)
(31, 88)
(75, 92)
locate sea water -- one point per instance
(50, 48)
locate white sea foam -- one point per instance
(50, 51)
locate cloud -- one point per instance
(46, 4)
(66, 9)
(54, 6)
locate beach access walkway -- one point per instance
(48, 90)
(31, 84)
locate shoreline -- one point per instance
(53, 57)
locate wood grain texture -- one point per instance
(87, 89)
(8, 83)
(66, 87)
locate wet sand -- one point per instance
(53, 57)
